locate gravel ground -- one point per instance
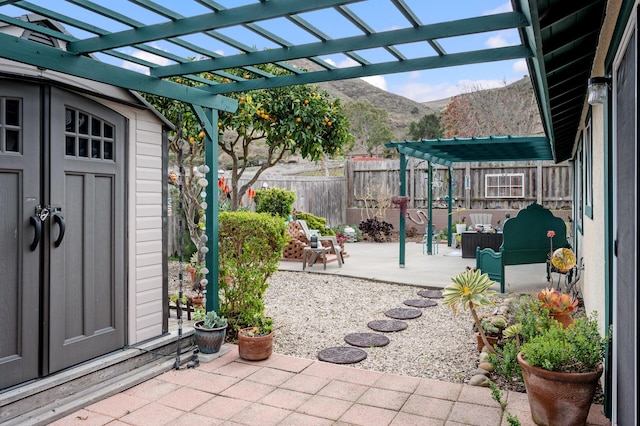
(313, 312)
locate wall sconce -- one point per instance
(598, 90)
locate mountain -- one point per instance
(401, 110)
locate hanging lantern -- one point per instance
(204, 169)
(204, 249)
(203, 182)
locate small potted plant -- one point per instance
(560, 305)
(561, 369)
(493, 325)
(255, 343)
(210, 331)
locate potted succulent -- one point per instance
(470, 289)
(492, 325)
(560, 305)
(255, 343)
(561, 368)
(210, 331)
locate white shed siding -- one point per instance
(144, 188)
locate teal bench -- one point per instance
(524, 241)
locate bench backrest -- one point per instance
(524, 237)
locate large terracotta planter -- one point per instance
(209, 340)
(255, 348)
(559, 398)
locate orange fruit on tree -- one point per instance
(298, 119)
(202, 134)
(192, 139)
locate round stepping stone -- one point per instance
(387, 325)
(431, 294)
(420, 303)
(403, 313)
(366, 340)
(342, 355)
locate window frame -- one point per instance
(502, 185)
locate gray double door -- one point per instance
(62, 244)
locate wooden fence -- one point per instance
(546, 183)
(367, 183)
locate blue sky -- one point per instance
(420, 86)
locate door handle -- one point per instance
(37, 226)
(59, 219)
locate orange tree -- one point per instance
(289, 120)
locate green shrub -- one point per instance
(315, 222)
(578, 348)
(275, 201)
(250, 248)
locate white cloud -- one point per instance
(505, 7)
(375, 80)
(496, 41)
(520, 67)
(145, 56)
(424, 92)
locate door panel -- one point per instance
(87, 268)
(19, 265)
(626, 232)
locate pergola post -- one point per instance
(403, 193)
(449, 201)
(428, 236)
(208, 117)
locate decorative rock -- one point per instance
(486, 366)
(342, 355)
(403, 313)
(483, 356)
(480, 371)
(420, 303)
(479, 380)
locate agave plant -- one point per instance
(470, 289)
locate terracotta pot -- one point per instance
(209, 340)
(492, 340)
(254, 348)
(563, 318)
(559, 398)
(192, 273)
(197, 301)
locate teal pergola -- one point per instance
(102, 40)
(446, 152)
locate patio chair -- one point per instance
(327, 241)
(433, 240)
